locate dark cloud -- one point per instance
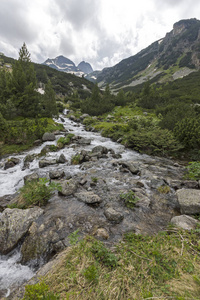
(14, 24)
(79, 13)
(79, 30)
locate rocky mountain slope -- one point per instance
(61, 63)
(174, 56)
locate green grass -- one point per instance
(35, 192)
(23, 132)
(164, 266)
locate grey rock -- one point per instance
(69, 187)
(178, 184)
(100, 149)
(88, 197)
(11, 162)
(83, 141)
(113, 215)
(48, 136)
(43, 240)
(62, 159)
(156, 183)
(189, 201)
(56, 174)
(131, 166)
(44, 163)
(14, 224)
(72, 117)
(102, 233)
(30, 177)
(185, 222)
(37, 143)
(82, 117)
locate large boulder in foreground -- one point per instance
(14, 224)
(189, 201)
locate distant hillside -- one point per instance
(174, 56)
(63, 83)
(61, 63)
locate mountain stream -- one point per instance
(113, 175)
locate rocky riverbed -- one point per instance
(93, 198)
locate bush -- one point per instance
(188, 132)
(75, 160)
(62, 141)
(193, 170)
(36, 193)
(103, 255)
(129, 198)
(39, 291)
(154, 142)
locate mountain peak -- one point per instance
(64, 64)
(182, 25)
(85, 67)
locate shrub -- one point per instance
(39, 291)
(62, 141)
(103, 255)
(91, 273)
(75, 160)
(129, 198)
(36, 193)
(193, 170)
(164, 189)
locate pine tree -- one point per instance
(24, 85)
(49, 101)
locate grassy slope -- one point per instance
(165, 266)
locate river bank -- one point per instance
(94, 194)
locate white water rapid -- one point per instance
(12, 273)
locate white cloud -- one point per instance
(102, 32)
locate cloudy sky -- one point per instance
(101, 32)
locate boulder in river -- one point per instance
(100, 149)
(189, 201)
(48, 136)
(14, 224)
(88, 197)
(62, 159)
(69, 187)
(11, 162)
(45, 163)
(56, 174)
(113, 215)
(131, 166)
(30, 177)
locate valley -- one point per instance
(100, 179)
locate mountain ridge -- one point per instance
(174, 56)
(62, 63)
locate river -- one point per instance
(12, 273)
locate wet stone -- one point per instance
(113, 215)
(88, 197)
(56, 174)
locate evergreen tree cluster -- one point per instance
(19, 96)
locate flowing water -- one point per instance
(12, 273)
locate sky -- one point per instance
(101, 32)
